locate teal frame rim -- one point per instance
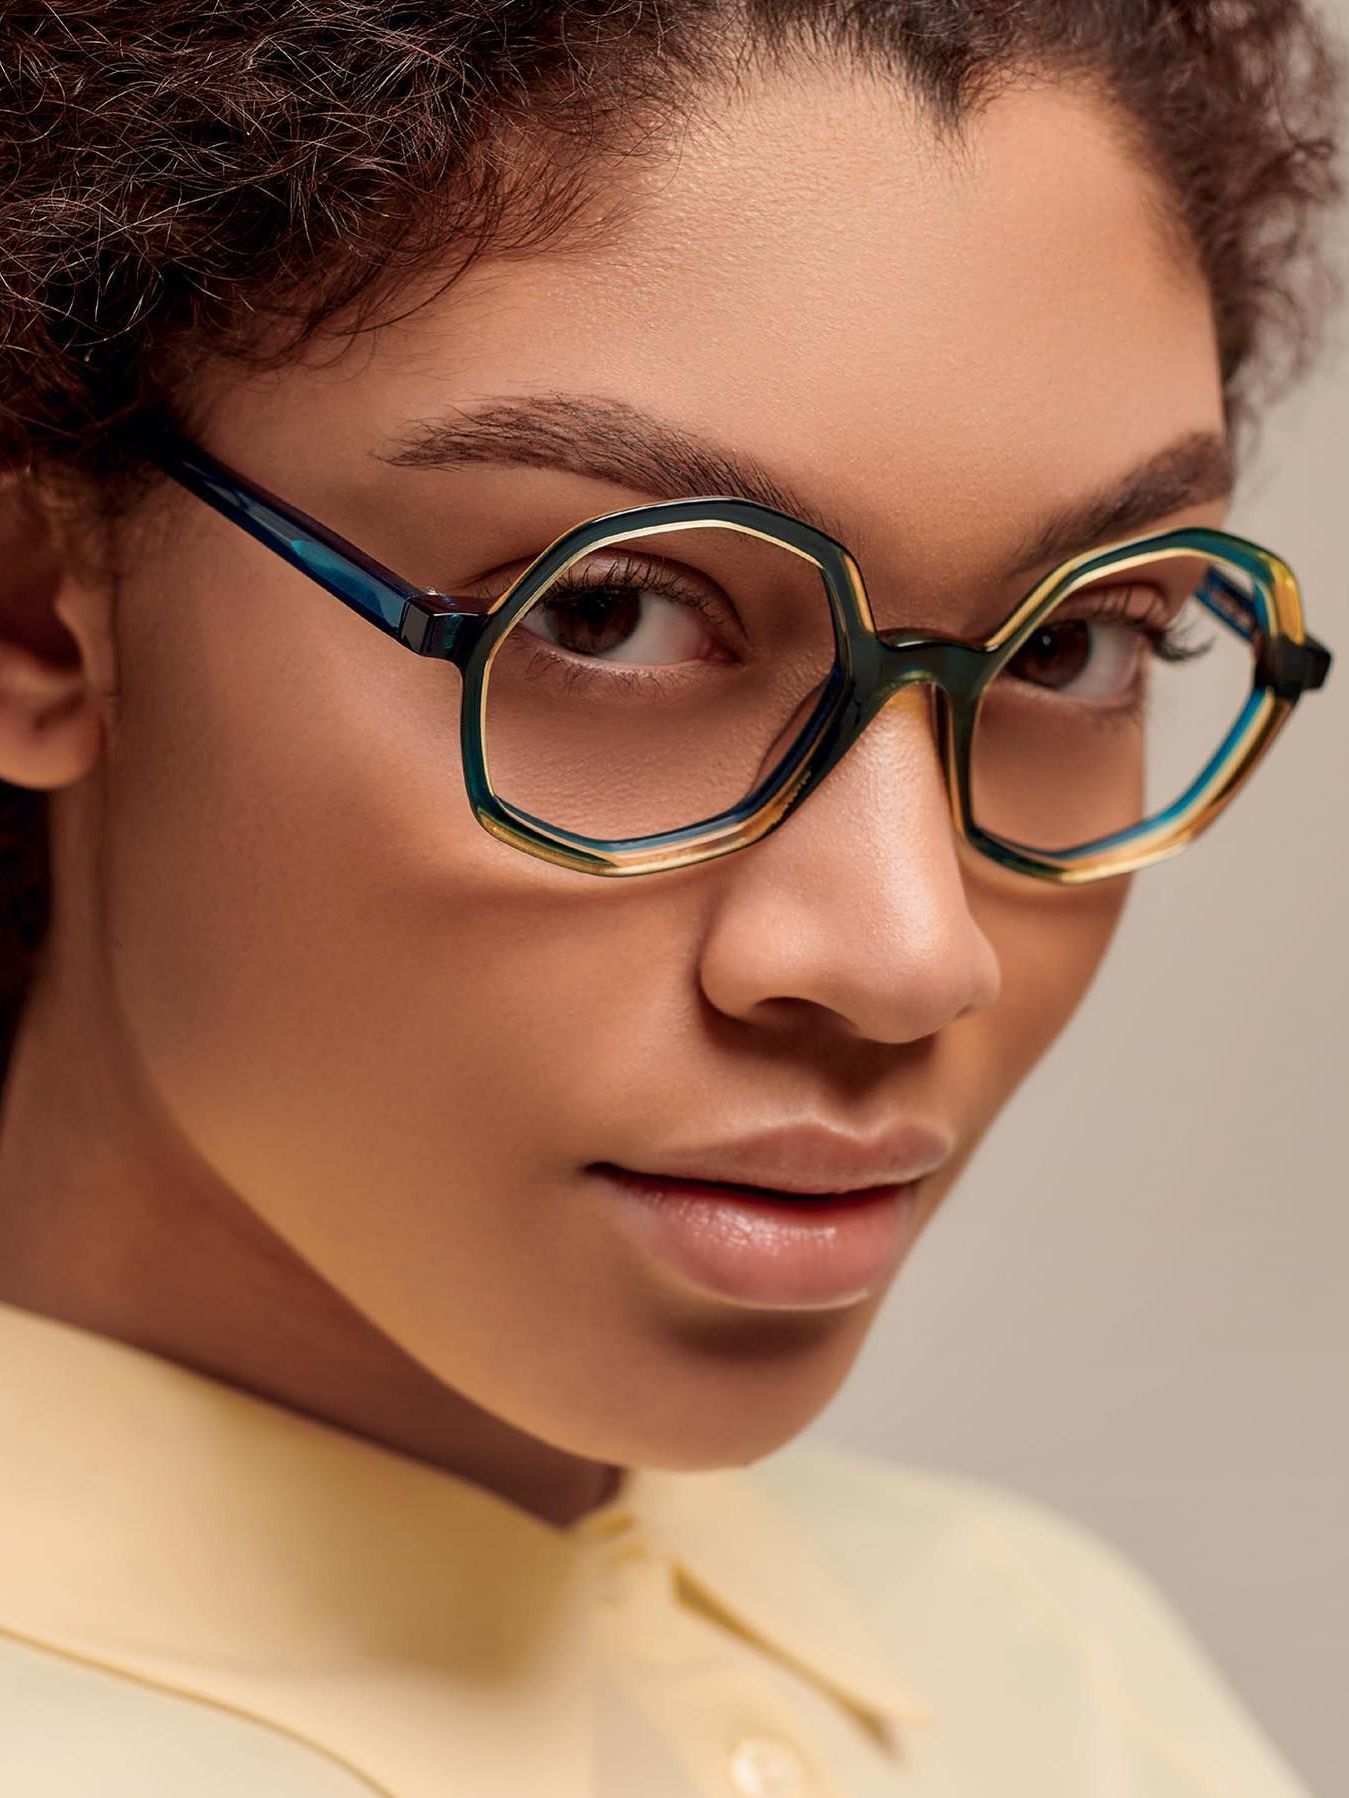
(871, 668)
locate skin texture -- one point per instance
(306, 1091)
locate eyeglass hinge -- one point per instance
(429, 625)
(1292, 668)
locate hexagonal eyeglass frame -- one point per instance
(870, 668)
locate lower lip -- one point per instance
(770, 1252)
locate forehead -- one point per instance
(934, 337)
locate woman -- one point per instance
(462, 1120)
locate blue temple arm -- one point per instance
(394, 605)
(1291, 668)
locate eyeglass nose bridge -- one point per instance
(894, 660)
(886, 664)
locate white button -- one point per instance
(765, 1767)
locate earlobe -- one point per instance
(51, 723)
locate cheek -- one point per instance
(340, 985)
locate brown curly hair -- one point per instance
(178, 180)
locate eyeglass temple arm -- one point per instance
(425, 622)
(1289, 668)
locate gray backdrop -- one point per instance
(1136, 1303)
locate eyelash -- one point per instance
(651, 577)
(627, 677)
(1168, 643)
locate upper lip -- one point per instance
(809, 1158)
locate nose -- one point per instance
(856, 906)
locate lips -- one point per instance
(764, 1246)
(800, 1163)
(672, 1186)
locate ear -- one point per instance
(55, 649)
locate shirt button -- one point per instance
(764, 1767)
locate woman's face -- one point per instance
(407, 1046)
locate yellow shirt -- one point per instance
(205, 1595)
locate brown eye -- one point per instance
(1081, 657)
(629, 615)
(620, 625)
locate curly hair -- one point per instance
(184, 180)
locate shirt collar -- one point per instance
(741, 1558)
(185, 1532)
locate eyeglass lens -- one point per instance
(1116, 705)
(659, 681)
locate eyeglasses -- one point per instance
(666, 684)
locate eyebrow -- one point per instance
(605, 439)
(1191, 471)
(609, 439)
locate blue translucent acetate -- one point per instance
(1222, 597)
(337, 574)
(379, 599)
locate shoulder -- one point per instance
(895, 1518)
(951, 1563)
(906, 1531)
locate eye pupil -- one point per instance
(1056, 653)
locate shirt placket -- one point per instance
(731, 1728)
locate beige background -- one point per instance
(1136, 1303)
